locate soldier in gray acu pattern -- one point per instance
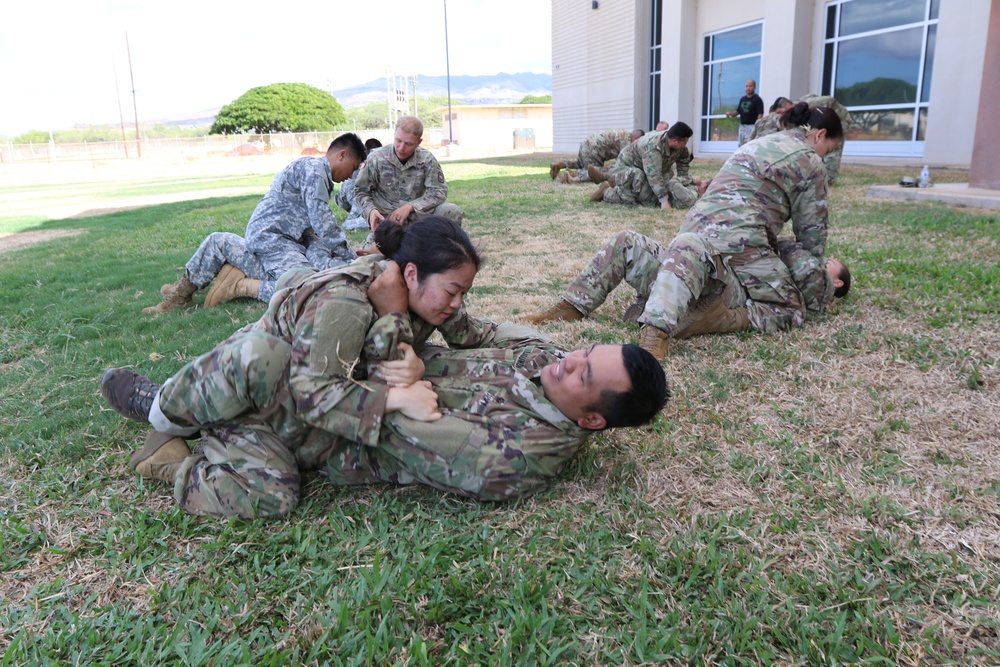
(403, 182)
(728, 249)
(318, 383)
(643, 174)
(345, 195)
(594, 151)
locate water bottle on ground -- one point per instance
(925, 177)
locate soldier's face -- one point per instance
(404, 144)
(574, 385)
(833, 269)
(677, 144)
(750, 87)
(342, 166)
(441, 295)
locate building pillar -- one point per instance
(985, 169)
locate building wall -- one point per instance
(596, 78)
(492, 127)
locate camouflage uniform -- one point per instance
(220, 248)
(345, 200)
(643, 174)
(771, 123)
(597, 149)
(292, 392)
(637, 259)
(293, 225)
(385, 184)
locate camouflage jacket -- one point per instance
(769, 124)
(606, 145)
(657, 160)
(385, 183)
(297, 207)
(831, 103)
(763, 184)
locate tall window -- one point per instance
(655, 63)
(877, 62)
(730, 58)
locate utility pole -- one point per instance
(135, 109)
(447, 68)
(118, 95)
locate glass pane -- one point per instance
(727, 83)
(828, 69)
(921, 124)
(723, 129)
(831, 21)
(704, 129)
(925, 92)
(879, 69)
(707, 55)
(658, 55)
(706, 89)
(935, 6)
(864, 15)
(737, 42)
(881, 125)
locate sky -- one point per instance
(60, 58)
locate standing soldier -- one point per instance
(643, 174)
(403, 182)
(595, 150)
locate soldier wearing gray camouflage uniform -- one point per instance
(345, 195)
(643, 174)
(403, 182)
(293, 225)
(300, 390)
(771, 123)
(594, 151)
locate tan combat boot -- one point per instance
(597, 175)
(175, 296)
(562, 311)
(160, 458)
(654, 341)
(572, 177)
(562, 177)
(554, 169)
(601, 189)
(231, 283)
(710, 315)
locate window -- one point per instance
(730, 58)
(655, 63)
(877, 61)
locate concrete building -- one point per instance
(498, 127)
(909, 71)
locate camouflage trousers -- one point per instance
(244, 462)
(280, 253)
(673, 278)
(744, 133)
(585, 157)
(632, 189)
(220, 248)
(832, 163)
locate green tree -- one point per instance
(280, 107)
(375, 115)
(536, 99)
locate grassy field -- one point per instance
(827, 496)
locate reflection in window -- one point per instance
(730, 58)
(878, 57)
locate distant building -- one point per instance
(498, 127)
(908, 70)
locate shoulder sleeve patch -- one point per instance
(341, 325)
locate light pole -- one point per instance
(447, 68)
(135, 109)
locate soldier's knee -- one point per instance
(452, 212)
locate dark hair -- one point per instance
(649, 393)
(679, 130)
(845, 276)
(434, 244)
(637, 133)
(372, 144)
(351, 142)
(818, 118)
(779, 103)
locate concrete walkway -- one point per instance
(956, 194)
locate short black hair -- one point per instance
(679, 130)
(845, 276)
(352, 143)
(372, 144)
(649, 393)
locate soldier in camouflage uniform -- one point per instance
(403, 182)
(772, 123)
(345, 195)
(594, 151)
(729, 239)
(643, 174)
(304, 388)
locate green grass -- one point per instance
(822, 497)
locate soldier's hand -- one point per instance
(418, 401)
(402, 372)
(388, 292)
(374, 218)
(402, 213)
(666, 204)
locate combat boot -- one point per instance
(554, 169)
(572, 177)
(562, 177)
(654, 341)
(632, 313)
(231, 283)
(160, 458)
(710, 315)
(597, 175)
(562, 311)
(128, 393)
(601, 189)
(175, 296)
